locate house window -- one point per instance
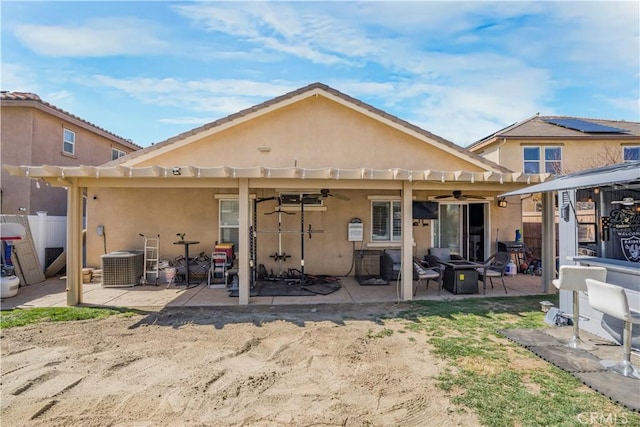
(547, 159)
(631, 154)
(386, 221)
(116, 154)
(229, 222)
(69, 141)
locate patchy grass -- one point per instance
(28, 316)
(383, 333)
(505, 384)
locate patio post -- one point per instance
(548, 240)
(407, 241)
(74, 243)
(243, 242)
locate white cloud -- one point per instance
(286, 29)
(459, 69)
(18, 78)
(97, 37)
(222, 97)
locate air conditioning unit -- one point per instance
(122, 269)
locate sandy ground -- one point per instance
(323, 366)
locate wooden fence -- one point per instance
(532, 231)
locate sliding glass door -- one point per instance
(461, 227)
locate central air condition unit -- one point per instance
(294, 199)
(122, 269)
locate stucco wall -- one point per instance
(16, 140)
(576, 154)
(313, 133)
(31, 136)
(125, 213)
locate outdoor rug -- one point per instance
(582, 364)
(292, 289)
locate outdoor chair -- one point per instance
(444, 254)
(390, 264)
(494, 266)
(612, 300)
(572, 278)
(426, 272)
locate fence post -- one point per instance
(41, 240)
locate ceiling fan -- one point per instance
(325, 192)
(626, 201)
(457, 194)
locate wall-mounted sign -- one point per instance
(623, 228)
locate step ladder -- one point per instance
(218, 272)
(151, 260)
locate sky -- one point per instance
(462, 70)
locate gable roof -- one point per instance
(537, 127)
(28, 99)
(141, 164)
(314, 89)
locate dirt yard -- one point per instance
(270, 366)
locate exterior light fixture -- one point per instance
(176, 171)
(502, 203)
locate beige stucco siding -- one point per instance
(125, 213)
(314, 133)
(34, 136)
(576, 154)
(17, 128)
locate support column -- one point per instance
(548, 241)
(74, 245)
(407, 241)
(243, 242)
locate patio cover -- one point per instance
(622, 173)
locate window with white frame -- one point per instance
(386, 221)
(116, 154)
(546, 159)
(631, 153)
(229, 221)
(69, 141)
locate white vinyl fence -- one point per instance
(48, 232)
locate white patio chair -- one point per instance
(572, 278)
(612, 300)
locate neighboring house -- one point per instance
(34, 132)
(229, 180)
(560, 145)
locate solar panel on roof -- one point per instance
(584, 126)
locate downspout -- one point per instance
(504, 141)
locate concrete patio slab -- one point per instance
(52, 293)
